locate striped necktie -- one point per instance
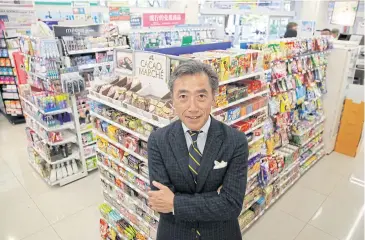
(195, 155)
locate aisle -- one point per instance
(326, 204)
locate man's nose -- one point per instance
(193, 105)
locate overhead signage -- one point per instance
(136, 21)
(89, 30)
(163, 19)
(121, 13)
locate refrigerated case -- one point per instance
(340, 74)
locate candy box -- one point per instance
(224, 68)
(243, 110)
(242, 126)
(131, 143)
(133, 162)
(249, 107)
(233, 113)
(221, 116)
(241, 92)
(113, 151)
(232, 93)
(112, 132)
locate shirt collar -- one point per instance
(204, 129)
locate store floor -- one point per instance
(325, 204)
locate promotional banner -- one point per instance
(89, 30)
(151, 68)
(119, 13)
(163, 19)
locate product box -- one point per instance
(351, 127)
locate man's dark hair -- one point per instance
(326, 29)
(193, 67)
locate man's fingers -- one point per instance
(158, 185)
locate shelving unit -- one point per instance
(9, 97)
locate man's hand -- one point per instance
(162, 200)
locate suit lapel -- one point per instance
(178, 144)
(211, 149)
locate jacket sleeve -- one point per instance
(156, 166)
(224, 206)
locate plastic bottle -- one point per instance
(69, 169)
(74, 167)
(64, 171)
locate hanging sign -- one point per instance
(136, 21)
(119, 13)
(151, 67)
(88, 30)
(163, 19)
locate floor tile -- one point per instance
(301, 202)
(351, 188)
(17, 161)
(275, 225)
(337, 217)
(320, 179)
(5, 171)
(11, 191)
(87, 222)
(357, 231)
(22, 219)
(34, 184)
(45, 234)
(69, 199)
(311, 233)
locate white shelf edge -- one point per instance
(67, 140)
(240, 78)
(316, 149)
(102, 135)
(134, 201)
(311, 138)
(256, 127)
(89, 143)
(241, 100)
(93, 65)
(121, 164)
(69, 110)
(74, 155)
(131, 185)
(90, 50)
(51, 129)
(127, 111)
(125, 129)
(247, 116)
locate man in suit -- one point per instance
(197, 165)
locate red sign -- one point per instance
(163, 19)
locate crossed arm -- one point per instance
(209, 206)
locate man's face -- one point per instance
(193, 100)
(325, 33)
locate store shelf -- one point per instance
(127, 219)
(102, 135)
(89, 143)
(131, 199)
(267, 207)
(255, 139)
(92, 169)
(256, 127)
(250, 204)
(115, 229)
(253, 176)
(69, 110)
(68, 137)
(75, 155)
(247, 116)
(311, 138)
(51, 129)
(93, 65)
(121, 164)
(44, 77)
(125, 129)
(302, 171)
(309, 129)
(314, 151)
(90, 50)
(248, 190)
(62, 181)
(90, 155)
(131, 185)
(241, 100)
(289, 168)
(127, 111)
(86, 130)
(240, 78)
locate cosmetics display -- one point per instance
(9, 97)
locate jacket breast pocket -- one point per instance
(216, 177)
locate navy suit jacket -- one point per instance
(199, 206)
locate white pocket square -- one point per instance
(219, 165)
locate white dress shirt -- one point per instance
(202, 137)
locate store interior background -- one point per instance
(335, 207)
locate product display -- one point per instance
(141, 40)
(9, 97)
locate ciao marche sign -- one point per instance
(150, 66)
(88, 30)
